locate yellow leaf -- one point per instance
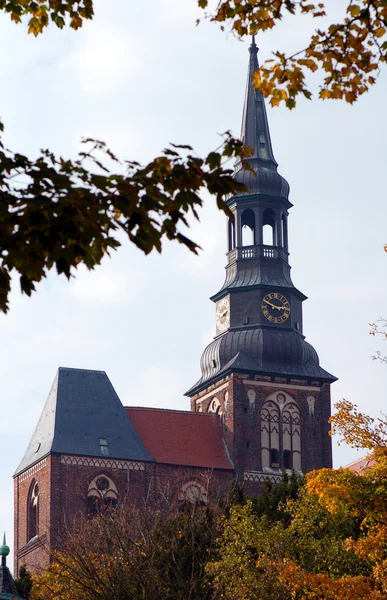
(379, 32)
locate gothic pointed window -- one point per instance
(270, 438)
(280, 433)
(291, 437)
(102, 495)
(33, 511)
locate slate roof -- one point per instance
(263, 351)
(181, 438)
(8, 589)
(264, 179)
(81, 409)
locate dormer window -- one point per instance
(104, 446)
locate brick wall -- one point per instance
(241, 418)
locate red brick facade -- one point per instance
(64, 479)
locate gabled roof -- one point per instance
(360, 465)
(82, 409)
(181, 438)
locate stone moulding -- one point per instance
(261, 477)
(36, 542)
(85, 461)
(32, 470)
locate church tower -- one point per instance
(259, 374)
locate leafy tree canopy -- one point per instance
(349, 52)
(58, 213)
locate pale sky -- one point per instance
(142, 75)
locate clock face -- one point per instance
(275, 307)
(223, 314)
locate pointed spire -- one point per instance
(7, 584)
(255, 133)
(255, 127)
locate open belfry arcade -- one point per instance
(261, 405)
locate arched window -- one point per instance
(248, 227)
(270, 417)
(33, 511)
(280, 433)
(231, 233)
(269, 227)
(291, 436)
(284, 232)
(102, 495)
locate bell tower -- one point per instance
(259, 373)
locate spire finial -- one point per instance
(255, 128)
(4, 551)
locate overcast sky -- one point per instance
(139, 76)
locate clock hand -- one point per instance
(273, 305)
(276, 306)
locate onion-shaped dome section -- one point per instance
(265, 351)
(261, 180)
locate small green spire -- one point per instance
(4, 549)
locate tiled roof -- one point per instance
(181, 437)
(360, 465)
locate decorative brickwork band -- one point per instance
(261, 477)
(33, 470)
(82, 461)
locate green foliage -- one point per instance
(284, 526)
(24, 582)
(347, 53)
(41, 12)
(317, 538)
(60, 213)
(134, 554)
(271, 501)
(245, 540)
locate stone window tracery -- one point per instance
(33, 511)
(193, 492)
(280, 433)
(102, 495)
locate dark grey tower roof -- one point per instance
(263, 351)
(256, 134)
(254, 343)
(82, 409)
